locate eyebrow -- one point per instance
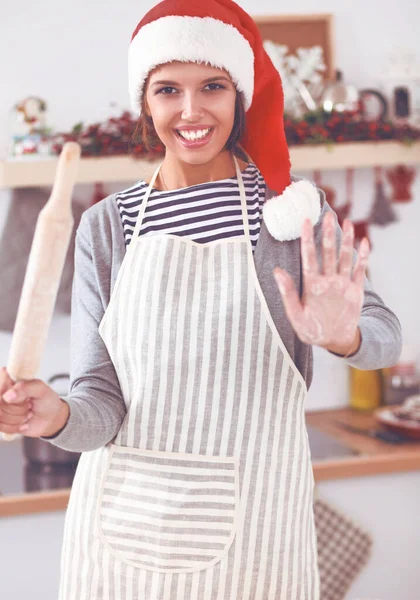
(209, 80)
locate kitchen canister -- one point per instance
(366, 389)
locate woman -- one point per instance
(193, 324)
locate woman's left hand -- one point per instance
(329, 311)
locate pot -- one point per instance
(38, 451)
(40, 478)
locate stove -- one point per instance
(324, 447)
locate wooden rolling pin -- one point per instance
(43, 273)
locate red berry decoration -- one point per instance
(113, 136)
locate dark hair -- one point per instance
(145, 133)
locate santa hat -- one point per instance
(222, 34)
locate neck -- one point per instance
(178, 174)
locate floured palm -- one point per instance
(328, 313)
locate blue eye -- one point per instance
(165, 90)
(216, 86)
(169, 91)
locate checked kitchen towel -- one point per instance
(343, 550)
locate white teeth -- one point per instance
(194, 135)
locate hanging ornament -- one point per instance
(361, 228)
(342, 212)
(328, 191)
(401, 179)
(382, 212)
(98, 193)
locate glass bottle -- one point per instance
(340, 96)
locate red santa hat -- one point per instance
(222, 34)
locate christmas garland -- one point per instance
(113, 137)
(322, 127)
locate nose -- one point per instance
(192, 109)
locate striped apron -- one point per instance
(206, 493)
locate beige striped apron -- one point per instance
(206, 493)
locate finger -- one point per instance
(15, 409)
(23, 391)
(329, 253)
(359, 272)
(5, 428)
(289, 294)
(310, 265)
(16, 420)
(347, 247)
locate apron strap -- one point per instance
(143, 205)
(243, 200)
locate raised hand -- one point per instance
(332, 300)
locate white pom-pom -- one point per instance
(284, 215)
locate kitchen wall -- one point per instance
(74, 56)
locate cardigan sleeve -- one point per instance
(96, 405)
(379, 327)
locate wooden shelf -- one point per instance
(356, 155)
(33, 172)
(36, 172)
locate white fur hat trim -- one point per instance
(190, 39)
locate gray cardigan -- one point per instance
(96, 405)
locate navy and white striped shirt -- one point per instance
(203, 212)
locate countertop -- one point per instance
(374, 456)
(344, 455)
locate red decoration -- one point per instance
(343, 212)
(360, 231)
(113, 136)
(401, 178)
(98, 193)
(321, 127)
(105, 139)
(329, 191)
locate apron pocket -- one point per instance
(168, 512)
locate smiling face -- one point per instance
(193, 109)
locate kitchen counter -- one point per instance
(374, 457)
(336, 454)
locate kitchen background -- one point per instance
(74, 55)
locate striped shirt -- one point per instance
(203, 212)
